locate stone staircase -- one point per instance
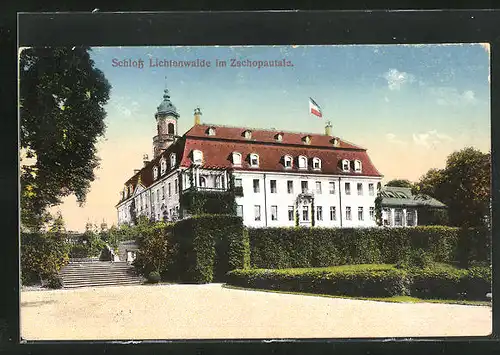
(98, 273)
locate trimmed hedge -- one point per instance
(208, 246)
(317, 247)
(422, 283)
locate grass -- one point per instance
(393, 299)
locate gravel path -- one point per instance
(211, 311)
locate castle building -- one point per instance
(281, 178)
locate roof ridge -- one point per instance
(264, 129)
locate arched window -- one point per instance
(197, 156)
(279, 137)
(237, 158)
(155, 173)
(203, 181)
(247, 134)
(288, 160)
(254, 160)
(211, 131)
(302, 162)
(171, 128)
(172, 160)
(345, 165)
(316, 163)
(306, 139)
(163, 166)
(357, 166)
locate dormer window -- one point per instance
(163, 166)
(357, 166)
(279, 137)
(288, 161)
(254, 160)
(302, 162)
(236, 158)
(197, 157)
(335, 142)
(173, 160)
(307, 140)
(211, 131)
(155, 173)
(345, 165)
(247, 134)
(316, 164)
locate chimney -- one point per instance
(197, 116)
(145, 159)
(328, 129)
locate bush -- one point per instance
(317, 247)
(366, 281)
(154, 277)
(418, 258)
(54, 281)
(208, 246)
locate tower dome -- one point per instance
(166, 107)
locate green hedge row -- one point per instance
(424, 283)
(317, 247)
(207, 247)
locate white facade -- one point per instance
(399, 217)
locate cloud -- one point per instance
(430, 139)
(396, 79)
(447, 96)
(392, 138)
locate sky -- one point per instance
(410, 106)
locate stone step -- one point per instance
(102, 284)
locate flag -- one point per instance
(314, 108)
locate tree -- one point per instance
(463, 185)
(62, 96)
(399, 183)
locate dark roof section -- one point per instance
(402, 197)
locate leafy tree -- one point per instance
(463, 185)
(399, 183)
(62, 95)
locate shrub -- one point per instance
(154, 277)
(366, 281)
(208, 246)
(54, 281)
(316, 247)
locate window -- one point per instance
(398, 217)
(289, 186)
(273, 186)
(331, 186)
(333, 213)
(176, 186)
(239, 210)
(247, 134)
(303, 185)
(319, 213)
(163, 166)
(254, 160)
(236, 158)
(386, 217)
(306, 139)
(256, 185)
(203, 183)
(197, 157)
(257, 212)
(410, 218)
(291, 213)
(348, 216)
(163, 192)
(372, 213)
(318, 187)
(288, 161)
(274, 213)
(153, 195)
(171, 128)
(357, 166)
(305, 213)
(211, 131)
(360, 189)
(316, 163)
(360, 214)
(158, 196)
(371, 190)
(237, 183)
(155, 173)
(172, 160)
(169, 189)
(302, 162)
(279, 137)
(347, 188)
(345, 165)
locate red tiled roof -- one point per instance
(267, 136)
(217, 152)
